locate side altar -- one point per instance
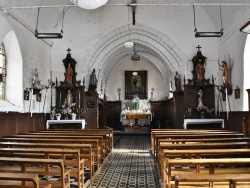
(73, 101)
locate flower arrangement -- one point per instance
(67, 110)
(53, 113)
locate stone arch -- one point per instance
(13, 100)
(154, 46)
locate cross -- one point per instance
(198, 47)
(133, 11)
(68, 50)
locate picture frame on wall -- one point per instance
(237, 93)
(136, 84)
(38, 97)
(26, 95)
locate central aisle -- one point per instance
(131, 165)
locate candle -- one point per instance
(79, 100)
(60, 99)
(227, 104)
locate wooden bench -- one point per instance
(198, 153)
(28, 165)
(192, 136)
(88, 156)
(20, 180)
(103, 142)
(212, 145)
(99, 146)
(232, 179)
(212, 163)
(70, 157)
(109, 132)
(87, 144)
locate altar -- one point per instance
(66, 124)
(203, 121)
(135, 117)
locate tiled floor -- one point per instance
(130, 166)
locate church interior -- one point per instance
(125, 93)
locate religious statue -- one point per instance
(93, 81)
(225, 77)
(69, 98)
(177, 79)
(69, 75)
(200, 70)
(200, 103)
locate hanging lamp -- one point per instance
(89, 4)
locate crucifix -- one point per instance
(198, 47)
(133, 10)
(68, 50)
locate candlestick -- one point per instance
(79, 101)
(60, 99)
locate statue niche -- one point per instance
(70, 74)
(199, 69)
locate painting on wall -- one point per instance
(26, 94)
(136, 84)
(38, 97)
(237, 93)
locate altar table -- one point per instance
(136, 117)
(131, 116)
(65, 122)
(202, 121)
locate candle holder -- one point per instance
(119, 93)
(152, 93)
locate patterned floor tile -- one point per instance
(130, 165)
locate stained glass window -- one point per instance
(2, 72)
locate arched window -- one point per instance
(2, 71)
(246, 73)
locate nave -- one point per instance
(130, 165)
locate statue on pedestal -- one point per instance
(92, 81)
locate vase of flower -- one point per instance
(58, 116)
(73, 115)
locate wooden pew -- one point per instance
(212, 163)
(20, 180)
(212, 145)
(232, 179)
(201, 153)
(91, 144)
(70, 157)
(90, 164)
(100, 147)
(28, 165)
(88, 131)
(190, 136)
(103, 138)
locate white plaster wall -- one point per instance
(35, 55)
(84, 28)
(14, 78)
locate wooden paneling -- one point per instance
(113, 111)
(191, 96)
(15, 123)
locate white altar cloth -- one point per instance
(49, 122)
(141, 121)
(202, 121)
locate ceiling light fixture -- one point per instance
(135, 57)
(48, 35)
(246, 28)
(128, 44)
(89, 4)
(207, 34)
